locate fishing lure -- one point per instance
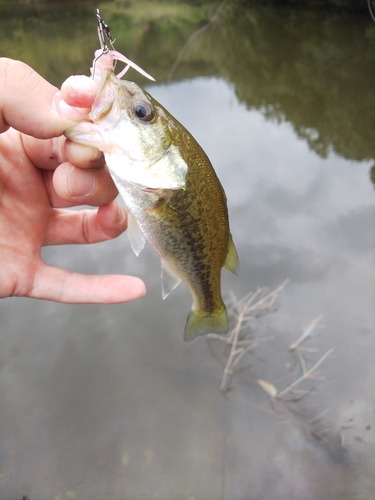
(106, 58)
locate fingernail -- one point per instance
(79, 91)
(65, 111)
(121, 214)
(81, 182)
(95, 154)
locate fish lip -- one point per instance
(85, 133)
(105, 97)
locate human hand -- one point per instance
(41, 174)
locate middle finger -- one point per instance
(82, 186)
(83, 156)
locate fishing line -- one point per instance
(191, 37)
(370, 9)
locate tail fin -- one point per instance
(201, 322)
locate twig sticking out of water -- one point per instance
(291, 395)
(284, 402)
(298, 349)
(245, 311)
(310, 374)
(297, 345)
(307, 373)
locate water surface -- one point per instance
(108, 402)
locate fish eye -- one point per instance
(143, 111)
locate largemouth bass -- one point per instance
(174, 198)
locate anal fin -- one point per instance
(169, 281)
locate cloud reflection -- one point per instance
(109, 401)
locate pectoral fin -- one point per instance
(135, 235)
(231, 261)
(169, 281)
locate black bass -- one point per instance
(174, 198)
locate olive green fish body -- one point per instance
(174, 197)
(195, 242)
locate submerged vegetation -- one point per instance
(302, 379)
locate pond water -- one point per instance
(108, 402)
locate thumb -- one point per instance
(28, 102)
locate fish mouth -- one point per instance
(86, 133)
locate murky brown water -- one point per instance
(108, 402)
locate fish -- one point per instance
(174, 198)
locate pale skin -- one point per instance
(41, 175)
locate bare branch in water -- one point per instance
(309, 374)
(244, 311)
(286, 404)
(306, 334)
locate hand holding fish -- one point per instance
(41, 174)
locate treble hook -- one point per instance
(103, 34)
(113, 56)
